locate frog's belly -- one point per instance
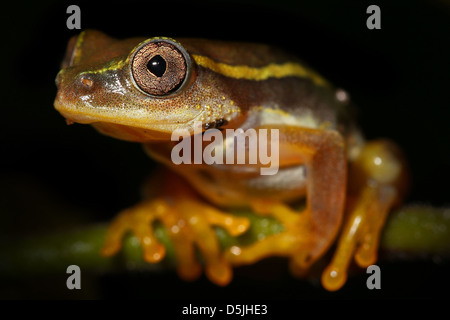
(226, 186)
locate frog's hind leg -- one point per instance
(378, 178)
(308, 234)
(189, 223)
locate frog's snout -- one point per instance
(58, 79)
(83, 82)
(71, 89)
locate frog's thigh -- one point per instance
(308, 234)
(378, 180)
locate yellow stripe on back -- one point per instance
(78, 44)
(288, 69)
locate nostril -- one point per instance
(86, 81)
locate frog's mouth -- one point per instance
(135, 127)
(130, 133)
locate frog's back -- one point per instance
(254, 55)
(273, 85)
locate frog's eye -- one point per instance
(160, 67)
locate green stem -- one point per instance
(415, 230)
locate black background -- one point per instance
(398, 76)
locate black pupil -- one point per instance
(157, 66)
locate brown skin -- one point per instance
(111, 85)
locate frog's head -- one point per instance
(134, 89)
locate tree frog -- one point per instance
(142, 90)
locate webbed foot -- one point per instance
(189, 224)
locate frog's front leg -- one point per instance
(378, 180)
(307, 234)
(189, 222)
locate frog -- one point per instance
(142, 90)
